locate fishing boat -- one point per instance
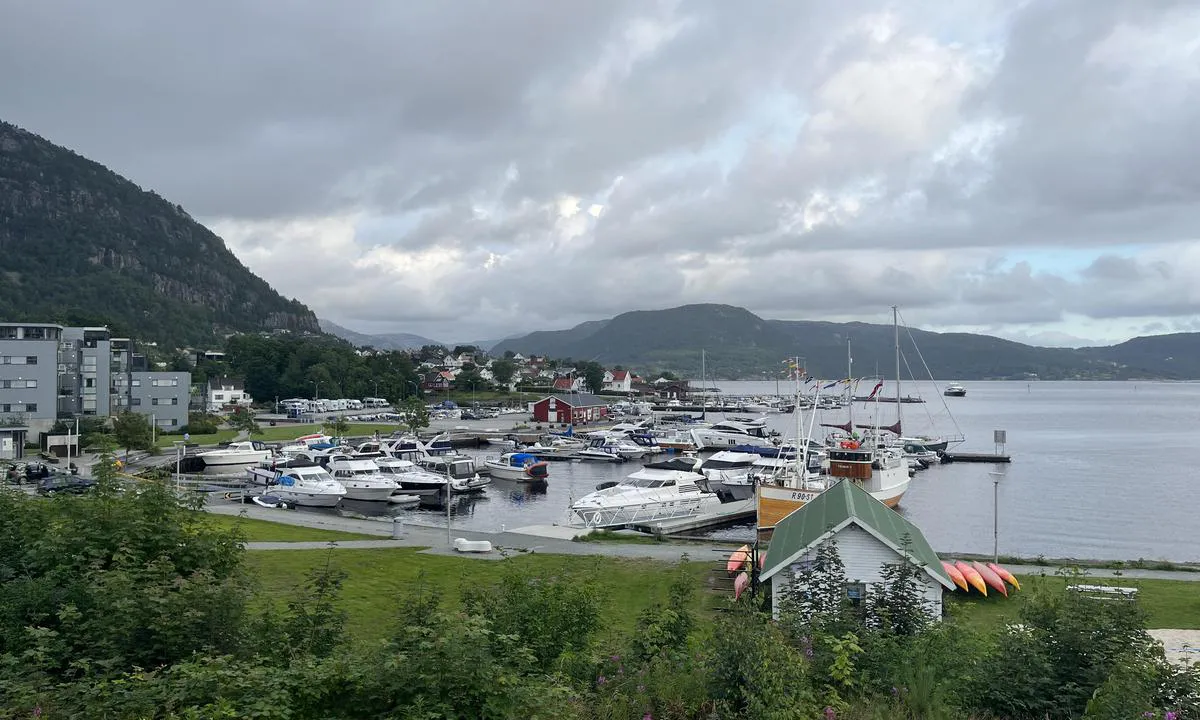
(520, 466)
(880, 470)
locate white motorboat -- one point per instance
(411, 478)
(246, 452)
(647, 495)
(361, 478)
(729, 433)
(299, 483)
(599, 452)
(520, 466)
(458, 467)
(502, 442)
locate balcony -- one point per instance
(11, 420)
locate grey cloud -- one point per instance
(829, 159)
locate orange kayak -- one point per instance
(991, 578)
(738, 559)
(1005, 575)
(955, 575)
(972, 576)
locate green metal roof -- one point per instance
(846, 502)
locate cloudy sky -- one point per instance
(475, 169)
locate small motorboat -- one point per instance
(520, 466)
(247, 452)
(269, 501)
(955, 390)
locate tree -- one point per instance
(243, 420)
(469, 379)
(503, 371)
(467, 349)
(593, 376)
(413, 414)
(337, 426)
(132, 431)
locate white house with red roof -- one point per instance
(618, 381)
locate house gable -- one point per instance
(838, 507)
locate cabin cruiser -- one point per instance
(246, 452)
(728, 433)
(361, 478)
(458, 467)
(728, 472)
(415, 480)
(648, 495)
(599, 450)
(298, 482)
(520, 466)
(955, 390)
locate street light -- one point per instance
(416, 390)
(316, 390)
(996, 514)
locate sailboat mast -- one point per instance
(801, 451)
(896, 331)
(849, 386)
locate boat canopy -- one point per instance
(521, 459)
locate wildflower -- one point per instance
(895, 691)
(601, 680)
(1170, 715)
(1147, 714)
(641, 688)
(647, 716)
(37, 711)
(615, 658)
(830, 713)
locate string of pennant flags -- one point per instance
(827, 384)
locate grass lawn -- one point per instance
(1168, 603)
(219, 436)
(267, 531)
(379, 579)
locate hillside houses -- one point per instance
(440, 373)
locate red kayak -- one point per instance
(955, 575)
(991, 578)
(1005, 575)
(738, 559)
(972, 576)
(740, 583)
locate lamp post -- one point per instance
(316, 390)
(416, 390)
(996, 515)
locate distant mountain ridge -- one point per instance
(740, 345)
(393, 341)
(83, 245)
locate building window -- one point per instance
(136, 383)
(31, 359)
(8, 333)
(89, 382)
(856, 593)
(5, 408)
(31, 407)
(218, 397)
(137, 401)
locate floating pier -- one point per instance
(954, 457)
(730, 513)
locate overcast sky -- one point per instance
(475, 169)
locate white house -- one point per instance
(451, 363)
(869, 535)
(223, 391)
(618, 380)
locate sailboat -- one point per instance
(914, 443)
(880, 470)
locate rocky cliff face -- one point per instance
(79, 240)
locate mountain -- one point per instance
(741, 345)
(387, 341)
(83, 245)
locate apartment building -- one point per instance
(49, 371)
(161, 395)
(28, 378)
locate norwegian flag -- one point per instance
(878, 387)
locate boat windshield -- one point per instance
(726, 464)
(315, 475)
(647, 482)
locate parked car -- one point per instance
(71, 484)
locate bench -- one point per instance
(1105, 592)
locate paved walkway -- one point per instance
(434, 541)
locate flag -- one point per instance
(878, 387)
(832, 384)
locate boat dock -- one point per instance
(730, 513)
(953, 457)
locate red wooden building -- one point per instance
(573, 408)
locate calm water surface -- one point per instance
(1100, 470)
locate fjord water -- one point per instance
(1100, 470)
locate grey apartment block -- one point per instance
(29, 375)
(162, 395)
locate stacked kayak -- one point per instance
(979, 577)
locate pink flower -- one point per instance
(830, 713)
